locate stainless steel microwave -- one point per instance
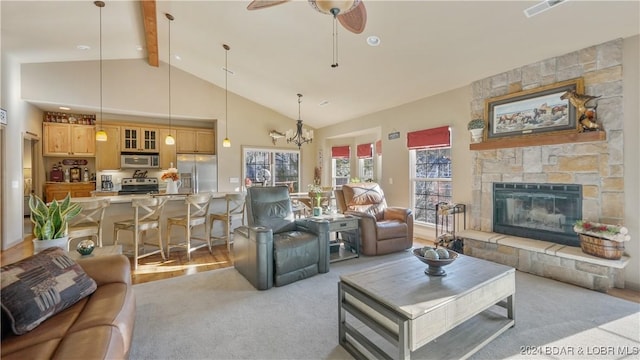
(139, 161)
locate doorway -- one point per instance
(29, 174)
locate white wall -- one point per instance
(22, 118)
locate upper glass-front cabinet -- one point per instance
(139, 139)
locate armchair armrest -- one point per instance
(107, 269)
(320, 228)
(253, 255)
(397, 213)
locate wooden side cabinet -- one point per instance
(108, 152)
(69, 140)
(58, 191)
(199, 141)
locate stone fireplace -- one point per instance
(592, 163)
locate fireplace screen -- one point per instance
(538, 211)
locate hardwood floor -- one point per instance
(153, 268)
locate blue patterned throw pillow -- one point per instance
(38, 287)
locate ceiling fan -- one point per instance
(351, 14)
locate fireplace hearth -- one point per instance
(538, 211)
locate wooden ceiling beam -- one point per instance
(150, 30)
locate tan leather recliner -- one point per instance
(383, 229)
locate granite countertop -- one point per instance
(119, 199)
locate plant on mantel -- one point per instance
(475, 124)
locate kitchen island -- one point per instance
(120, 209)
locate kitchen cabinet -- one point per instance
(58, 191)
(167, 152)
(68, 140)
(139, 139)
(108, 152)
(201, 141)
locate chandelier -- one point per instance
(301, 136)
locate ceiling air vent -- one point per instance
(541, 7)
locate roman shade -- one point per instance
(340, 152)
(429, 138)
(364, 151)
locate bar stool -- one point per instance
(197, 214)
(88, 223)
(146, 216)
(235, 208)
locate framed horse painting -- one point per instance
(533, 111)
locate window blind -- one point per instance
(429, 138)
(340, 152)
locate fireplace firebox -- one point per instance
(538, 211)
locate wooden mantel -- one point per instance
(541, 139)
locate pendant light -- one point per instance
(169, 140)
(226, 142)
(101, 135)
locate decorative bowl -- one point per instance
(435, 265)
(85, 247)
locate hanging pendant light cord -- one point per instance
(170, 17)
(335, 12)
(99, 5)
(226, 142)
(226, 93)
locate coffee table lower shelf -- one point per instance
(459, 343)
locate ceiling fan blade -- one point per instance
(261, 4)
(354, 20)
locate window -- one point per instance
(365, 162)
(272, 167)
(340, 165)
(365, 169)
(341, 171)
(430, 156)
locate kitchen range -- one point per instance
(139, 186)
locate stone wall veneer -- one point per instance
(597, 166)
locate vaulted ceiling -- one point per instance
(427, 47)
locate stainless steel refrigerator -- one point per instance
(198, 173)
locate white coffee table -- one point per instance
(395, 309)
(98, 251)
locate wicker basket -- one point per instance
(601, 247)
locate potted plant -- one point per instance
(476, 128)
(51, 222)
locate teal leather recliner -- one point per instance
(275, 248)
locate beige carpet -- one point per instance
(219, 315)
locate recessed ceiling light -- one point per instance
(64, 108)
(177, 57)
(373, 40)
(83, 47)
(324, 103)
(139, 48)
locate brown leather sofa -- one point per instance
(383, 229)
(99, 326)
